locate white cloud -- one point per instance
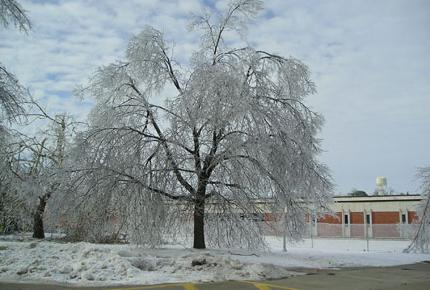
(371, 63)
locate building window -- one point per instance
(403, 218)
(368, 219)
(346, 219)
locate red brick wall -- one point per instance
(331, 219)
(412, 217)
(272, 217)
(378, 217)
(356, 217)
(356, 224)
(385, 217)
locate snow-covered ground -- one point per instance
(89, 264)
(337, 253)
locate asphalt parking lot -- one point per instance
(415, 276)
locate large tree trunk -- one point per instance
(38, 231)
(199, 221)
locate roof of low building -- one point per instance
(377, 198)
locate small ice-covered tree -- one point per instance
(40, 161)
(421, 241)
(237, 131)
(13, 211)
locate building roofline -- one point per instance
(378, 198)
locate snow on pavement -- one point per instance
(100, 264)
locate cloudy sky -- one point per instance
(369, 59)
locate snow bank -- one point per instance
(90, 264)
(95, 264)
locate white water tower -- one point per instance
(381, 185)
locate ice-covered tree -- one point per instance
(237, 131)
(12, 97)
(11, 12)
(40, 161)
(13, 211)
(421, 241)
(12, 93)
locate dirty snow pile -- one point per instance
(26, 259)
(88, 264)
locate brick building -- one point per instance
(387, 216)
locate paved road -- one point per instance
(416, 276)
